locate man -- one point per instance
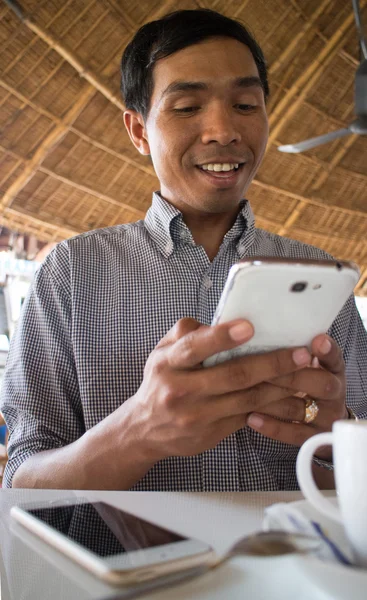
(105, 386)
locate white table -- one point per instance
(41, 573)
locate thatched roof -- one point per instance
(67, 165)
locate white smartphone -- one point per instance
(114, 545)
(288, 301)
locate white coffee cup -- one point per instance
(349, 442)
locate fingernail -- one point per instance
(325, 346)
(301, 356)
(255, 421)
(240, 332)
(315, 362)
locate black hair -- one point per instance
(173, 32)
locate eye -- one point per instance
(246, 107)
(186, 109)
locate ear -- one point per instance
(135, 126)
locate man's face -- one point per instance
(207, 112)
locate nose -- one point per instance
(220, 127)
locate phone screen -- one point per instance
(104, 529)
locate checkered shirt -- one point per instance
(98, 306)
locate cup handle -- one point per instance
(305, 476)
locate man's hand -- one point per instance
(282, 420)
(184, 409)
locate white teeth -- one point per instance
(220, 167)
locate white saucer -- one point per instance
(338, 581)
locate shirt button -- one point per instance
(185, 237)
(207, 282)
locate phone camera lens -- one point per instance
(300, 286)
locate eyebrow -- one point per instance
(194, 86)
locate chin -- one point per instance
(219, 205)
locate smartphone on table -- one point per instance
(114, 545)
(288, 301)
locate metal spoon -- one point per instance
(263, 543)
(270, 543)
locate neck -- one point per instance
(208, 231)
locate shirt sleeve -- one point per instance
(349, 332)
(40, 397)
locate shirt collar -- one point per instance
(167, 229)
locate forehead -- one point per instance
(213, 61)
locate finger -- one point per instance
(288, 433)
(242, 402)
(198, 344)
(248, 371)
(316, 383)
(328, 353)
(289, 409)
(179, 330)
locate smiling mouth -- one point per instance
(228, 175)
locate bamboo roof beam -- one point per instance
(34, 40)
(127, 159)
(363, 282)
(343, 53)
(326, 170)
(302, 35)
(51, 140)
(136, 164)
(322, 164)
(281, 18)
(88, 190)
(337, 157)
(311, 201)
(64, 230)
(122, 14)
(296, 212)
(241, 7)
(28, 102)
(163, 8)
(323, 238)
(14, 219)
(300, 88)
(66, 54)
(9, 173)
(314, 201)
(202, 4)
(361, 287)
(344, 146)
(20, 227)
(47, 113)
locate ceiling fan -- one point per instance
(360, 98)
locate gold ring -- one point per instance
(311, 411)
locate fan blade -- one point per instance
(358, 20)
(316, 141)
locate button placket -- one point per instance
(207, 282)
